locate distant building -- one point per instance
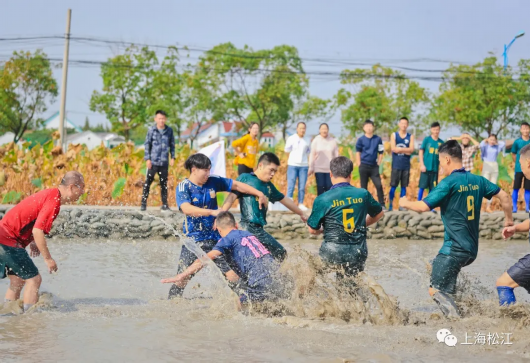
(212, 132)
(52, 123)
(95, 139)
(268, 139)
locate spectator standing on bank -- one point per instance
(519, 176)
(368, 157)
(467, 150)
(159, 144)
(246, 150)
(324, 148)
(429, 162)
(298, 163)
(490, 148)
(402, 146)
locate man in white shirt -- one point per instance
(297, 165)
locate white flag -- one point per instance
(216, 153)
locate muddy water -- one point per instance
(108, 306)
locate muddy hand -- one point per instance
(507, 232)
(177, 280)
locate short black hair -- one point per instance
(435, 124)
(323, 124)
(404, 118)
(225, 219)
(494, 135)
(525, 124)
(341, 167)
(269, 158)
(199, 161)
(301, 122)
(451, 148)
(368, 122)
(160, 112)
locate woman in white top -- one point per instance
(298, 164)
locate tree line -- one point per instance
(269, 87)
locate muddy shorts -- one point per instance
(346, 259)
(445, 270)
(275, 248)
(16, 261)
(520, 272)
(428, 180)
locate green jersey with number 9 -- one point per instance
(459, 197)
(342, 211)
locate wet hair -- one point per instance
(269, 158)
(435, 124)
(525, 124)
(404, 118)
(251, 126)
(451, 148)
(368, 122)
(199, 161)
(494, 135)
(341, 167)
(300, 123)
(225, 219)
(160, 112)
(72, 178)
(323, 124)
(525, 152)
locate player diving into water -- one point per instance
(518, 274)
(459, 196)
(26, 224)
(251, 259)
(197, 199)
(342, 214)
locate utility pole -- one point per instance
(62, 111)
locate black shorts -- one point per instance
(428, 180)
(445, 270)
(520, 272)
(518, 181)
(243, 169)
(399, 177)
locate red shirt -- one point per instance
(36, 211)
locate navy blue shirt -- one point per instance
(369, 149)
(158, 145)
(201, 228)
(401, 161)
(252, 258)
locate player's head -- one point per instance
(450, 154)
(492, 139)
(253, 130)
(368, 127)
(435, 129)
(199, 167)
(72, 186)
(300, 129)
(225, 222)
(268, 165)
(323, 130)
(403, 124)
(160, 118)
(341, 168)
(524, 160)
(525, 129)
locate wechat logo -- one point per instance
(445, 336)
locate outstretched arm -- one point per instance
(182, 279)
(418, 206)
(191, 210)
(507, 232)
(229, 201)
(247, 189)
(371, 220)
(506, 203)
(288, 202)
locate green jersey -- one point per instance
(430, 153)
(516, 149)
(250, 212)
(460, 198)
(342, 211)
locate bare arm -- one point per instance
(315, 232)
(358, 158)
(288, 202)
(418, 206)
(507, 232)
(410, 149)
(506, 203)
(393, 147)
(371, 220)
(193, 211)
(380, 159)
(40, 240)
(247, 189)
(420, 156)
(181, 279)
(229, 201)
(475, 142)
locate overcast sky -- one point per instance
(357, 31)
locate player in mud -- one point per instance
(252, 217)
(251, 259)
(197, 199)
(459, 196)
(518, 274)
(343, 214)
(27, 223)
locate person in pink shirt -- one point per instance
(324, 148)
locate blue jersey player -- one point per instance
(197, 199)
(250, 257)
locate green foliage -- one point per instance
(26, 87)
(37, 182)
(12, 197)
(118, 188)
(483, 98)
(380, 94)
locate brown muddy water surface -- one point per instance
(106, 305)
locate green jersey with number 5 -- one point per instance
(342, 211)
(459, 197)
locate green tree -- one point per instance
(257, 86)
(127, 89)
(483, 98)
(306, 109)
(26, 87)
(86, 126)
(380, 94)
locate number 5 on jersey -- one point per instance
(348, 223)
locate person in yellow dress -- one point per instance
(246, 150)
